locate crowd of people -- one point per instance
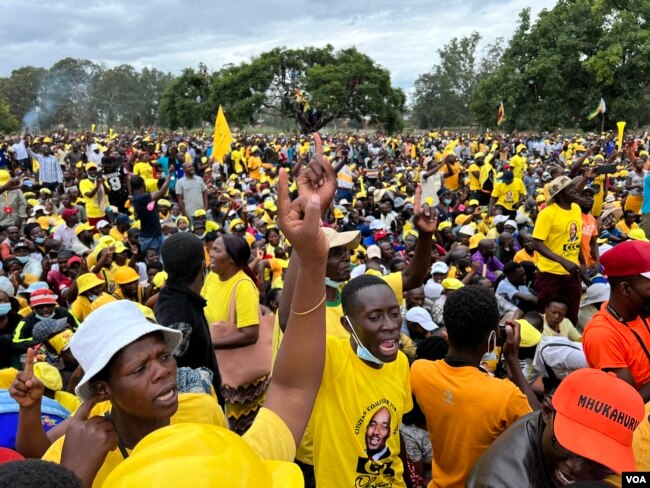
(434, 310)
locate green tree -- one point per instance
(117, 96)
(8, 123)
(313, 86)
(554, 71)
(21, 90)
(442, 96)
(183, 102)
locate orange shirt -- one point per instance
(589, 229)
(610, 344)
(465, 408)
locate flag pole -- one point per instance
(602, 124)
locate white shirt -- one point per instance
(560, 354)
(20, 150)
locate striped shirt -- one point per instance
(49, 168)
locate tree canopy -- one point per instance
(554, 72)
(312, 86)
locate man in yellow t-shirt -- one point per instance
(254, 163)
(518, 162)
(507, 195)
(557, 237)
(474, 172)
(364, 393)
(451, 171)
(93, 189)
(449, 390)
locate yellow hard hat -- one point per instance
(126, 274)
(200, 455)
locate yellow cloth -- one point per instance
(254, 166)
(94, 209)
(634, 203)
(519, 165)
(69, 401)
(522, 256)
(448, 397)
(561, 231)
(624, 228)
(143, 170)
(641, 443)
(354, 399)
(237, 158)
(451, 182)
(192, 407)
(599, 197)
(117, 235)
(474, 182)
(508, 195)
(217, 293)
(566, 330)
(7, 376)
(80, 308)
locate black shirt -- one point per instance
(181, 309)
(514, 458)
(149, 221)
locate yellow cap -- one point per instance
(444, 225)
(164, 203)
(530, 336)
(475, 239)
(160, 279)
(200, 213)
(81, 227)
(61, 341)
(48, 375)
(88, 281)
(338, 214)
(200, 455)
(126, 274)
(637, 235)
(452, 284)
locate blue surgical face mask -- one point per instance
(39, 240)
(362, 351)
(23, 259)
(4, 309)
(92, 298)
(447, 201)
(41, 317)
(332, 284)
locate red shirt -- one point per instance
(610, 344)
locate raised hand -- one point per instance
(424, 217)
(26, 389)
(300, 221)
(513, 338)
(318, 178)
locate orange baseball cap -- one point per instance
(596, 415)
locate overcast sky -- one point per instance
(173, 34)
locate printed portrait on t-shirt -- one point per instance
(573, 232)
(377, 427)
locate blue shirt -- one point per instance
(645, 208)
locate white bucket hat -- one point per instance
(108, 330)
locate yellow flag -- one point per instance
(222, 137)
(92, 129)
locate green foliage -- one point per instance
(555, 71)
(313, 86)
(8, 123)
(183, 101)
(442, 96)
(77, 93)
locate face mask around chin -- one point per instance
(363, 352)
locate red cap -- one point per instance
(72, 260)
(596, 414)
(628, 258)
(43, 296)
(381, 234)
(68, 212)
(7, 455)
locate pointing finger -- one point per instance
(29, 363)
(318, 142)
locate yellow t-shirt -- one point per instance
(237, 157)
(566, 330)
(254, 166)
(144, 170)
(522, 256)
(451, 182)
(80, 308)
(622, 226)
(69, 401)
(599, 197)
(192, 407)
(94, 209)
(217, 293)
(519, 165)
(117, 235)
(561, 231)
(359, 408)
(474, 181)
(465, 408)
(7, 376)
(508, 195)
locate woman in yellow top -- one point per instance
(230, 276)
